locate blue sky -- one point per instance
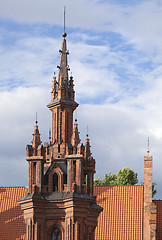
(116, 61)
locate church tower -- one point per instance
(60, 204)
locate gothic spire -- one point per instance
(36, 138)
(75, 140)
(87, 147)
(64, 67)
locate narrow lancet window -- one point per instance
(56, 234)
(34, 173)
(55, 182)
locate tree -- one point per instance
(126, 176)
(98, 182)
(109, 179)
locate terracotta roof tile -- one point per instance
(122, 214)
(158, 204)
(12, 225)
(121, 218)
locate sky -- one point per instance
(116, 61)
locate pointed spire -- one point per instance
(36, 119)
(87, 132)
(63, 67)
(36, 138)
(71, 89)
(87, 146)
(64, 33)
(54, 88)
(75, 140)
(50, 134)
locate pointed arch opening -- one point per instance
(56, 234)
(34, 173)
(55, 182)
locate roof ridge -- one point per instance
(12, 186)
(118, 186)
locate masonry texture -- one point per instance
(60, 202)
(149, 206)
(121, 218)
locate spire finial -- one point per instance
(148, 151)
(76, 116)
(50, 134)
(87, 132)
(64, 33)
(64, 16)
(36, 121)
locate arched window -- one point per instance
(56, 234)
(55, 182)
(34, 173)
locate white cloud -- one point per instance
(139, 24)
(125, 92)
(118, 133)
(18, 110)
(27, 62)
(118, 136)
(52, 12)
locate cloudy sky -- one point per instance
(116, 61)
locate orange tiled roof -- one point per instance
(122, 214)
(121, 218)
(12, 225)
(158, 204)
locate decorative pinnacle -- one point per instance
(49, 134)
(36, 119)
(64, 33)
(76, 119)
(148, 151)
(87, 132)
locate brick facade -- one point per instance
(60, 199)
(149, 206)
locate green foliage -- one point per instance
(154, 191)
(109, 179)
(98, 182)
(124, 177)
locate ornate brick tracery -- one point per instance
(60, 191)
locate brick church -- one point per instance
(60, 202)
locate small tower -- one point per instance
(34, 156)
(149, 206)
(62, 104)
(60, 202)
(89, 166)
(75, 140)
